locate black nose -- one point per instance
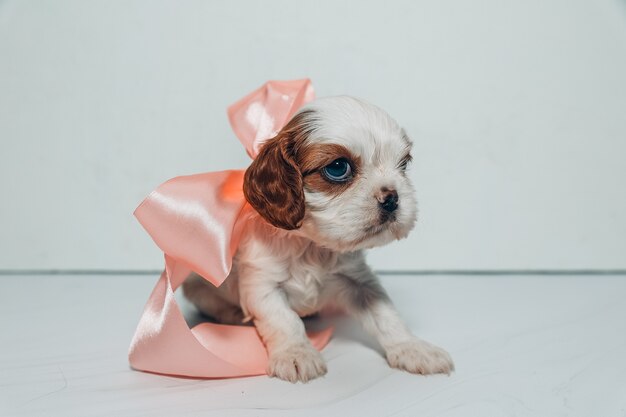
(388, 200)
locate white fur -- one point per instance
(279, 276)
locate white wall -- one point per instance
(518, 111)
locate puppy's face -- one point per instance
(336, 174)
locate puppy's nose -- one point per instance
(387, 199)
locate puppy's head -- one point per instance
(336, 174)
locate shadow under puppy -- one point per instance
(330, 184)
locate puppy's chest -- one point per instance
(309, 278)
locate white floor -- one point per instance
(523, 346)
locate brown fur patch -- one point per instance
(313, 158)
(273, 182)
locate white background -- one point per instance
(517, 109)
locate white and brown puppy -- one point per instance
(330, 184)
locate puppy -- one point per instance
(331, 183)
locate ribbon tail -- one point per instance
(164, 343)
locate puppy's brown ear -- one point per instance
(273, 182)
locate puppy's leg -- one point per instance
(207, 298)
(367, 300)
(291, 355)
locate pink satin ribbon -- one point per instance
(197, 221)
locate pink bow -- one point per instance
(197, 221)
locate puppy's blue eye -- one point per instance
(339, 170)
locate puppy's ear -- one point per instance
(273, 182)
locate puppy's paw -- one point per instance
(420, 357)
(301, 362)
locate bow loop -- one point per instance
(261, 114)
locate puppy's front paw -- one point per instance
(301, 362)
(420, 357)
